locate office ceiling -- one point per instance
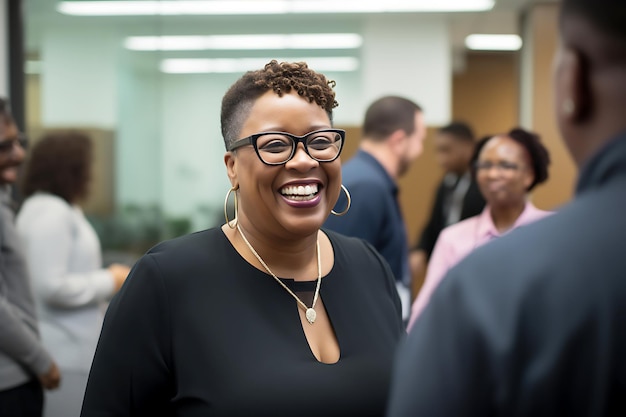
(503, 18)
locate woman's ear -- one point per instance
(231, 168)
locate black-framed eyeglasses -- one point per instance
(502, 166)
(8, 145)
(277, 148)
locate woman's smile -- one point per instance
(301, 195)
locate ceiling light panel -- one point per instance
(255, 7)
(236, 65)
(245, 42)
(484, 42)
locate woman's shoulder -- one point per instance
(195, 251)
(461, 229)
(357, 262)
(352, 248)
(185, 263)
(45, 200)
(200, 243)
(346, 242)
(532, 213)
(44, 207)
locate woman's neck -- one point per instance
(504, 217)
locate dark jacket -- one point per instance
(473, 204)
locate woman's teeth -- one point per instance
(299, 192)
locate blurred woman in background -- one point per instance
(507, 167)
(64, 258)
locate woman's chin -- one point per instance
(304, 226)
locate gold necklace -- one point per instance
(310, 313)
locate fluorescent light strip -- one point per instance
(244, 42)
(481, 42)
(236, 65)
(253, 7)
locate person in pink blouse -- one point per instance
(507, 167)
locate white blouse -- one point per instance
(65, 262)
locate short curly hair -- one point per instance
(59, 164)
(539, 156)
(281, 78)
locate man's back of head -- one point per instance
(387, 115)
(590, 74)
(393, 132)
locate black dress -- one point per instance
(198, 331)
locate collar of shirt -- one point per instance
(607, 164)
(486, 229)
(380, 170)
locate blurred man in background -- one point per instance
(393, 135)
(25, 366)
(457, 197)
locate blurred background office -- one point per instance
(145, 80)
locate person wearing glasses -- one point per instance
(26, 366)
(267, 315)
(392, 138)
(64, 258)
(506, 167)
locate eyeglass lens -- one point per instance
(8, 145)
(276, 148)
(500, 166)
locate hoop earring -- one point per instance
(231, 223)
(341, 213)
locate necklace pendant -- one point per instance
(310, 315)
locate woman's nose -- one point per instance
(493, 172)
(301, 160)
(18, 151)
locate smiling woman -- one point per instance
(222, 322)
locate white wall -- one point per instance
(79, 85)
(138, 139)
(193, 166)
(409, 56)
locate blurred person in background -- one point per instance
(267, 315)
(25, 364)
(533, 324)
(507, 167)
(392, 138)
(65, 261)
(457, 196)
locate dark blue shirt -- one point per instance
(375, 213)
